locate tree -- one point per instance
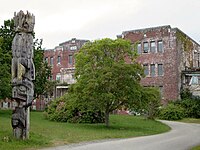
(151, 101)
(104, 78)
(43, 71)
(6, 36)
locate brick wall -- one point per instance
(168, 59)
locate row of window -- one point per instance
(70, 60)
(152, 46)
(153, 70)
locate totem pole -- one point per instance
(23, 73)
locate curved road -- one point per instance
(183, 136)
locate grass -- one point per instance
(191, 120)
(44, 133)
(196, 148)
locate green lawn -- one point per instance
(191, 120)
(44, 133)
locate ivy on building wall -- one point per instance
(187, 43)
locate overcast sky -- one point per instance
(60, 20)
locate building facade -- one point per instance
(62, 61)
(167, 54)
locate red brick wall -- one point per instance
(169, 80)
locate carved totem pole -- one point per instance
(23, 73)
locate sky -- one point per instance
(58, 21)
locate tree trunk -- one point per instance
(107, 118)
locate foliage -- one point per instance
(186, 94)
(190, 103)
(187, 43)
(172, 112)
(7, 34)
(191, 106)
(65, 109)
(6, 37)
(151, 101)
(43, 71)
(104, 78)
(48, 133)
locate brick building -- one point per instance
(61, 59)
(169, 56)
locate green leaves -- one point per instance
(104, 76)
(6, 36)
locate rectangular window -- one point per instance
(145, 47)
(152, 69)
(46, 59)
(160, 69)
(51, 61)
(160, 46)
(73, 48)
(153, 46)
(146, 69)
(58, 61)
(161, 91)
(139, 48)
(58, 77)
(70, 59)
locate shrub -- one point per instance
(172, 112)
(151, 101)
(66, 109)
(192, 107)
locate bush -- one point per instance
(66, 109)
(172, 112)
(151, 101)
(192, 107)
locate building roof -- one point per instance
(157, 28)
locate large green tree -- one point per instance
(104, 78)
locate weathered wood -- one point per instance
(23, 72)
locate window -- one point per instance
(58, 61)
(70, 59)
(146, 69)
(161, 91)
(145, 47)
(51, 61)
(160, 69)
(46, 59)
(160, 46)
(73, 48)
(58, 77)
(51, 77)
(152, 69)
(139, 48)
(194, 80)
(153, 46)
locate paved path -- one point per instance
(183, 136)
